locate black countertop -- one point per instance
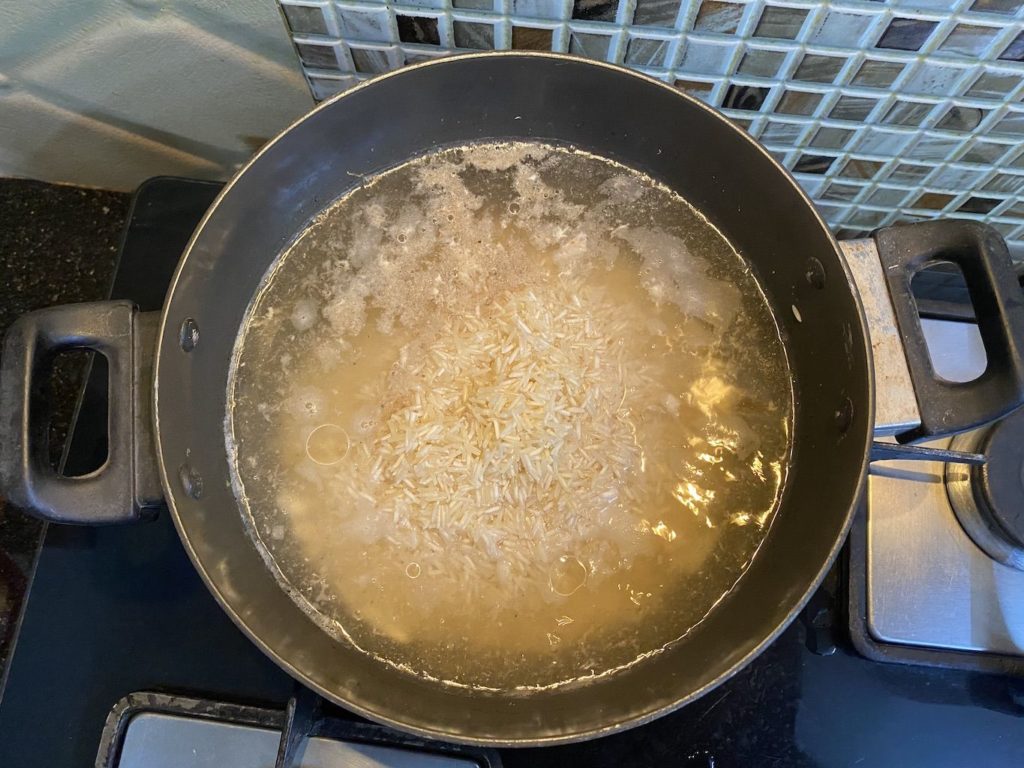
(119, 610)
(58, 245)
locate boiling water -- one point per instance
(509, 417)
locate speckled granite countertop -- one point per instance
(58, 245)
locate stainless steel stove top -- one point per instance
(156, 740)
(928, 583)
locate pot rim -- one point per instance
(582, 735)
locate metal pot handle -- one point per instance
(127, 486)
(979, 251)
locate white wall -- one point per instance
(107, 93)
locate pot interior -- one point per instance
(611, 113)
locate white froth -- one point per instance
(526, 369)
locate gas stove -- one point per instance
(124, 659)
(937, 560)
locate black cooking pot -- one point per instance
(178, 413)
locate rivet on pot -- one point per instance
(189, 334)
(191, 481)
(844, 416)
(815, 273)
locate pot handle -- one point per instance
(126, 487)
(980, 252)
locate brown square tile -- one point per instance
(782, 23)
(720, 17)
(531, 39)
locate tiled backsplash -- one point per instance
(884, 111)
